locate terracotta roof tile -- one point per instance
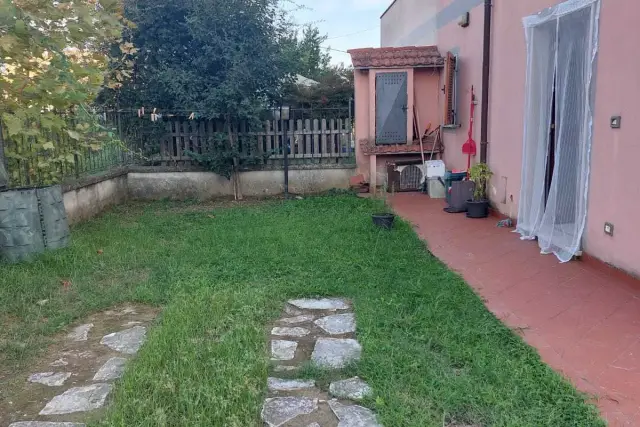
(409, 56)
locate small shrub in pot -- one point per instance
(384, 219)
(478, 207)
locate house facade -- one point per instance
(561, 113)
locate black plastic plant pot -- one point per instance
(383, 220)
(477, 209)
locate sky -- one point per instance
(349, 24)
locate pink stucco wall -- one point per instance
(613, 187)
(466, 43)
(614, 190)
(361, 114)
(427, 92)
(422, 88)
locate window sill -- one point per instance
(451, 126)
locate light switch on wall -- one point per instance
(616, 122)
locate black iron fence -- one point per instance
(30, 164)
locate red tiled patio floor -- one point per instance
(584, 321)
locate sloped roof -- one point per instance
(305, 81)
(393, 57)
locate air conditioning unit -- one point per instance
(407, 175)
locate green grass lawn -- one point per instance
(432, 352)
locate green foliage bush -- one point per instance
(55, 60)
(480, 174)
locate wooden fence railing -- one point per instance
(309, 141)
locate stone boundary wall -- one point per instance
(89, 196)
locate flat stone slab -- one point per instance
(292, 311)
(283, 350)
(130, 324)
(297, 319)
(320, 304)
(284, 368)
(78, 399)
(335, 352)
(353, 416)
(52, 379)
(87, 354)
(314, 425)
(111, 370)
(353, 389)
(277, 384)
(45, 424)
(279, 410)
(128, 341)
(290, 332)
(59, 362)
(338, 324)
(80, 333)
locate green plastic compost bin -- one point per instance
(32, 220)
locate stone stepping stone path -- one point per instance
(320, 332)
(45, 424)
(78, 399)
(80, 333)
(82, 370)
(128, 341)
(290, 332)
(52, 379)
(335, 353)
(111, 370)
(353, 388)
(283, 350)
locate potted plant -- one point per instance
(384, 219)
(478, 207)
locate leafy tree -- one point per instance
(334, 90)
(220, 59)
(311, 59)
(53, 63)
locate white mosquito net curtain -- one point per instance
(562, 43)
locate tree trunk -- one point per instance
(236, 163)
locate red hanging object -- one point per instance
(469, 147)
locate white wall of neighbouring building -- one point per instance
(409, 23)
